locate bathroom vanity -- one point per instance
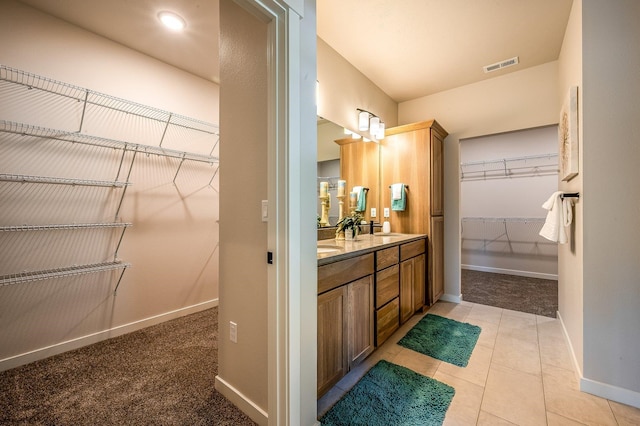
(366, 289)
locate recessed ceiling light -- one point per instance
(172, 21)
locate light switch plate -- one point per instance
(233, 332)
(265, 210)
(373, 212)
(386, 212)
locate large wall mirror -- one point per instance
(355, 161)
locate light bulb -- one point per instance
(374, 125)
(363, 121)
(380, 133)
(172, 21)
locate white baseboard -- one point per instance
(451, 298)
(528, 274)
(58, 348)
(572, 352)
(247, 406)
(614, 393)
(603, 390)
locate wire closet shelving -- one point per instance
(23, 85)
(530, 165)
(504, 234)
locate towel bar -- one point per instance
(570, 195)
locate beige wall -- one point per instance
(243, 236)
(520, 100)
(342, 89)
(611, 135)
(173, 242)
(570, 256)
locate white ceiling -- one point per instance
(408, 48)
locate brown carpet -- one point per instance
(532, 295)
(162, 375)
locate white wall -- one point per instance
(520, 100)
(570, 256)
(172, 244)
(342, 89)
(511, 247)
(611, 132)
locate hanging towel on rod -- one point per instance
(559, 216)
(398, 197)
(361, 204)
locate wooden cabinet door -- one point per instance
(437, 180)
(361, 322)
(436, 259)
(406, 290)
(419, 281)
(332, 338)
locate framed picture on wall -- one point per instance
(568, 136)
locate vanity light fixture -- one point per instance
(369, 122)
(172, 20)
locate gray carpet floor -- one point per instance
(532, 295)
(161, 375)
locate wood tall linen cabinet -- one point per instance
(413, 154)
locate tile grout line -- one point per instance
(484, 388)
(544, 393)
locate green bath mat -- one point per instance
(391, 395)
(442, 338)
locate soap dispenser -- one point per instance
(386, 227)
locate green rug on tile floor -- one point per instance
(442, 338)
(391, 395)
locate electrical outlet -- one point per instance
(386, 212)
(233, 332)
(373, 212)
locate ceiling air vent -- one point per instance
(500, 65)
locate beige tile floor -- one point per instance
(520, 373)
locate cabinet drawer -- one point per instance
(343, 272)
(412, 249)
(387, 320)
(387, 257)
(387, 285)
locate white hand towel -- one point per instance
(559, 216)
(396, 191)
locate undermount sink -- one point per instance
(328, 249)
